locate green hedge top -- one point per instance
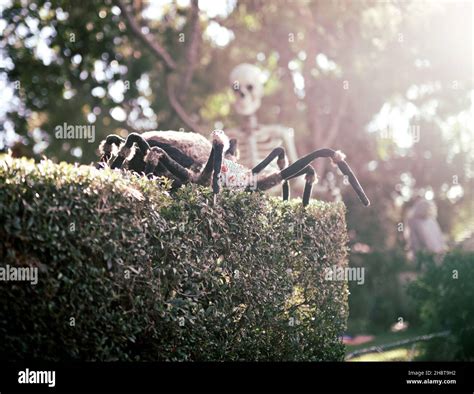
(127, 271)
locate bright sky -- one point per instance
(212, 8)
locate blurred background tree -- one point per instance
(389, 83)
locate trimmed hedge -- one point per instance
(129, 272)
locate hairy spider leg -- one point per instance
(217, 165)
(220, 144)
(105, 148)
(310, 178)
(282, 162)
(157, 156)
(173, 152)
(126, 148)
(338, 158)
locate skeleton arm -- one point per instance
(288, 136)
(284, 134)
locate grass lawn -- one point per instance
(404, 353)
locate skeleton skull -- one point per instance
(247, 84)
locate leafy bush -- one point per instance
(445, 295)
(381, 300)
(128, 272)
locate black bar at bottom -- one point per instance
(439, 377)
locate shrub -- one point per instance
(445, 296)
(379, 303)
(128, 272)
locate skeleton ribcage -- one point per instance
(255, 146)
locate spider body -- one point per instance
(190, 157)
(236, 176)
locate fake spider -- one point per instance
(189, 157)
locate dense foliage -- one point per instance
(128, 272)
(445, 295)
(382, 300)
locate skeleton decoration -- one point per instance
(255, 141)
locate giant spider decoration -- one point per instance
(190, 157)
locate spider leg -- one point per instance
(269, 181)
(282, 162)
(220, 144)
(176, 154)
(105, 148)
(275, 178)
(126, 149)
(338, 158)
(153, 167)
(205, 176)
(152, 161)
(310, 178)
(157, 156)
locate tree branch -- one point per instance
(178, 108)
(154, 46)
(170, 64)
(192, 49)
